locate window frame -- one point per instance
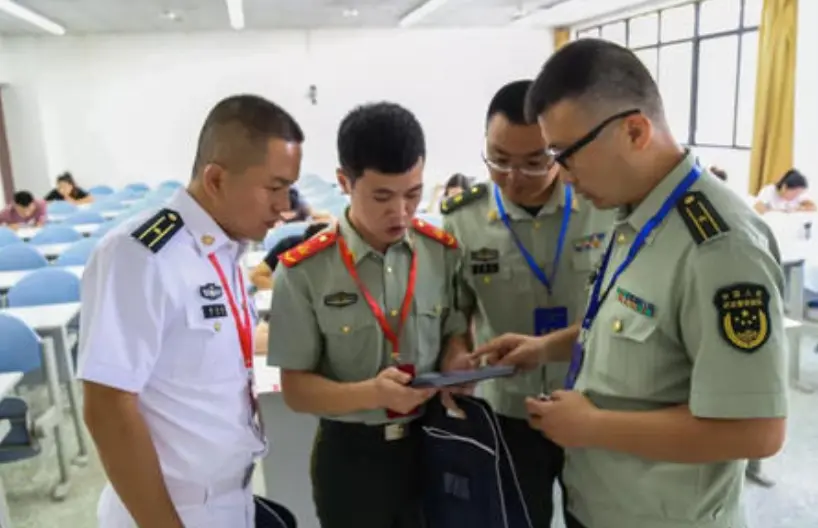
(695, 41)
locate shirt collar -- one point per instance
(639, 216)
(358, 246)
(555, 203)
(208, 236)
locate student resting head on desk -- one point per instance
(25, 210)
(787, 195)
(67, 190)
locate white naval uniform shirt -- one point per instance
(148, 326)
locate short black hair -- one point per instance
(792, 179)
(289, 242)
(458, 180)
(314, 229)
(23, 198)
(719, 173)
(66, 177)
(596, 71)
(383, 137)
(509, 101)
(236, 131)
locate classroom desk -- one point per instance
(8, 381)
(262, 299)
(253, 259)
(286, 468)
(27, 233)
(51, 322)
(52, 251)
(10, 278)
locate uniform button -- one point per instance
(345, 329)
(621, 239)
(536, 225)
(389, 269)
(486, 280)
(217, 326)
(393, 313)
(617, 326)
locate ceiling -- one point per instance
(148, 16)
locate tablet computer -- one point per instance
(439, 380)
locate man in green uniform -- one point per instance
(678, 375)
(528, 246)
(357, 310)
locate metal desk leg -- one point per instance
(60, 491)
(794, 344)
(5, 518)
(74, 400)
(795, 290)
(755, 474)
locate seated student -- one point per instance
(456, 184)
(68, 191)
(788, 195)
(262, 277)
(301, 211)
(24, 210)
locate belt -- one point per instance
(183, 492)
(365, 432)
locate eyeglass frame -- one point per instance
(561, 156)
(492, 165)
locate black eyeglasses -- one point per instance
(561, 156)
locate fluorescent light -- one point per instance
(421, 12)
(573, 11)
(235, 10)
(23, 13)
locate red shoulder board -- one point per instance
(435, 233)
(308, 248)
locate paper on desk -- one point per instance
(268, 379)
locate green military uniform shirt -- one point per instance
(501, 292)
(320, 321)
(696, 319)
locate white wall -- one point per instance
(115, 109)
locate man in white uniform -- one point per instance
(166, 332)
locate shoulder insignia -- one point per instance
(744, 315)
(468, 196)
(435, 233)
(701, 219)
(308, 248)
(159, 229)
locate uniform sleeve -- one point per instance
(732, 324)
(123, 309)
(295, 338)
(464, 297)
(454, 324)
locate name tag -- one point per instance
(214, 311)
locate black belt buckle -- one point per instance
(248, 476)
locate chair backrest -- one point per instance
(100, 190)
(8, 237)
(77, 253)
(56, 234)
(20, 257)
(60, 207)
(20, 346)
(431, 218)
(84, 217)
(170, 184)
(45, 286)
(106, 203)
(285, 230)
(140, 188)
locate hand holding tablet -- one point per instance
(455, 378)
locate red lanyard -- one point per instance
(244, 329)
(391, 335)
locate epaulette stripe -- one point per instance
(158, 230)
(308, 248)
(700, 218)
(466, 197)
(435, 233)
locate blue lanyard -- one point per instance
(596, 299)
(535, 268)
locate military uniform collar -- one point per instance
(357, 245)
(516, 213)
(208, 236)
(638, 216)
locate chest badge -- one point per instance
(587, 243)
(485, 261)
(210, 291)
(214, 311)
(634, 302)
(340, 299)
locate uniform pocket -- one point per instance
(352, 343)
(429, 335)
(208, 349)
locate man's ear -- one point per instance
(213, 178)
(343, 181)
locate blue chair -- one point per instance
(45, 286)
(77, 253)
(8, 237)
(100, 190)
(19, 257)
(106, 204)
(61, 208)
(275, 235)
(170, 184)
(55, 234)
(139, 188)
(84, 217)
(20, 346)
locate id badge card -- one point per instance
(409, 369)
(547, 320)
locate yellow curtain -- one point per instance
(562, 36)
(774, 121)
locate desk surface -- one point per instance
(52, 251)
(84, 229)
(10, 278)
(262, 300)
(253, 258)
(45, 318)
(7, 382)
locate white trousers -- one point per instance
(231, 509)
